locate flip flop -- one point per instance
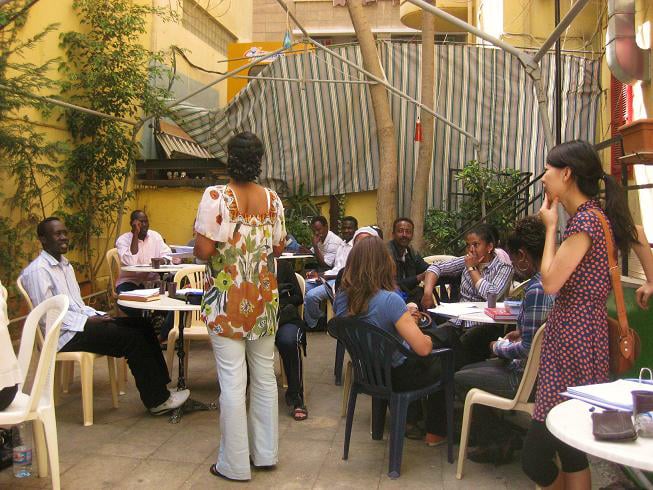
(300, 413)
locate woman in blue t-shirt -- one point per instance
(367, 292)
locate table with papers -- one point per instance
(571, 422)
(473, 311)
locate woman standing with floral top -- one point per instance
(240, 228)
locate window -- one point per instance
(203, 25)
(621, 112)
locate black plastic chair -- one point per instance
(371, 351)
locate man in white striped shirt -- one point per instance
(88, 330)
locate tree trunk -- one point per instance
(421, 180)
(386, 202)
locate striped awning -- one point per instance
(176, 143)
(324, 135)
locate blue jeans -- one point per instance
(313, 303)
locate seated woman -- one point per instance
(10, 373)
(501, 376)
(483, 273)
(368, 293)
(291, 338)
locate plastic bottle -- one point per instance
(22, 444)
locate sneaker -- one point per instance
(433, 440)
(175, 400)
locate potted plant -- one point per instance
(637, 136)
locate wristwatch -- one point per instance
(472, 268)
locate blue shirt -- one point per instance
(383, 311)
(534, 310)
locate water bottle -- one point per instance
(22, 443)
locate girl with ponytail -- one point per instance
(575, 347)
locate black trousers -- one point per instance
(540, 448)
(7, 396)
(134, 339)
(290, 340)
(415, 374)
(470, 345)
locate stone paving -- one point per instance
(128, 448)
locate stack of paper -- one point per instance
(616, 395)
(140, 295)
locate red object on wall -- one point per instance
(621, 112)
(418, 130)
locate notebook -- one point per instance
(140, 295)
(616, 395)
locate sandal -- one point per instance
(214, 471)
(300, 413)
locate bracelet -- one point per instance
(472, 268)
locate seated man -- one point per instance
(411, 267)
(138, 247)
(85, 329)
(316, 294)
(325, 243)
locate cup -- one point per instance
(642, 401)
(156, 262)
(491, 300)
(162, 287)
(172, 289)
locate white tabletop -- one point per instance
(571, 422)
(158, 270)
(295, 256)
(162, 304)
(472, 311)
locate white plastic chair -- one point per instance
(113, 261)
(38, 404)
(519, 402)
(194, 328)
(85, 361)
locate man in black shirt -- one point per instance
(410, 265)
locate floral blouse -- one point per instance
(241, 298)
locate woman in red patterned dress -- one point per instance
(575, 347)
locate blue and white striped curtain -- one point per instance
(323, 135)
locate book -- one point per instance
(500, 313)
(140, 295)
(616, 395)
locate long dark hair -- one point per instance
(369, 269)
(586, 169)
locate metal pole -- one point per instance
(560, 27)
(68, 105)
(256, 61)
(525, 58)
(302, 80)
(558, 79)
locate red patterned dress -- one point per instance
(575, 347)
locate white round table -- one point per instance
(164, 303)
(286, 256)
(472, 311)
(571, 422)
(164, 269)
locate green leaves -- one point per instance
(107, 69)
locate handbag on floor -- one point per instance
(624, 341)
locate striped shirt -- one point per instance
(45, 277)
(534, 310)
(495, 278)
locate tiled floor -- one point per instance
(128, 448)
